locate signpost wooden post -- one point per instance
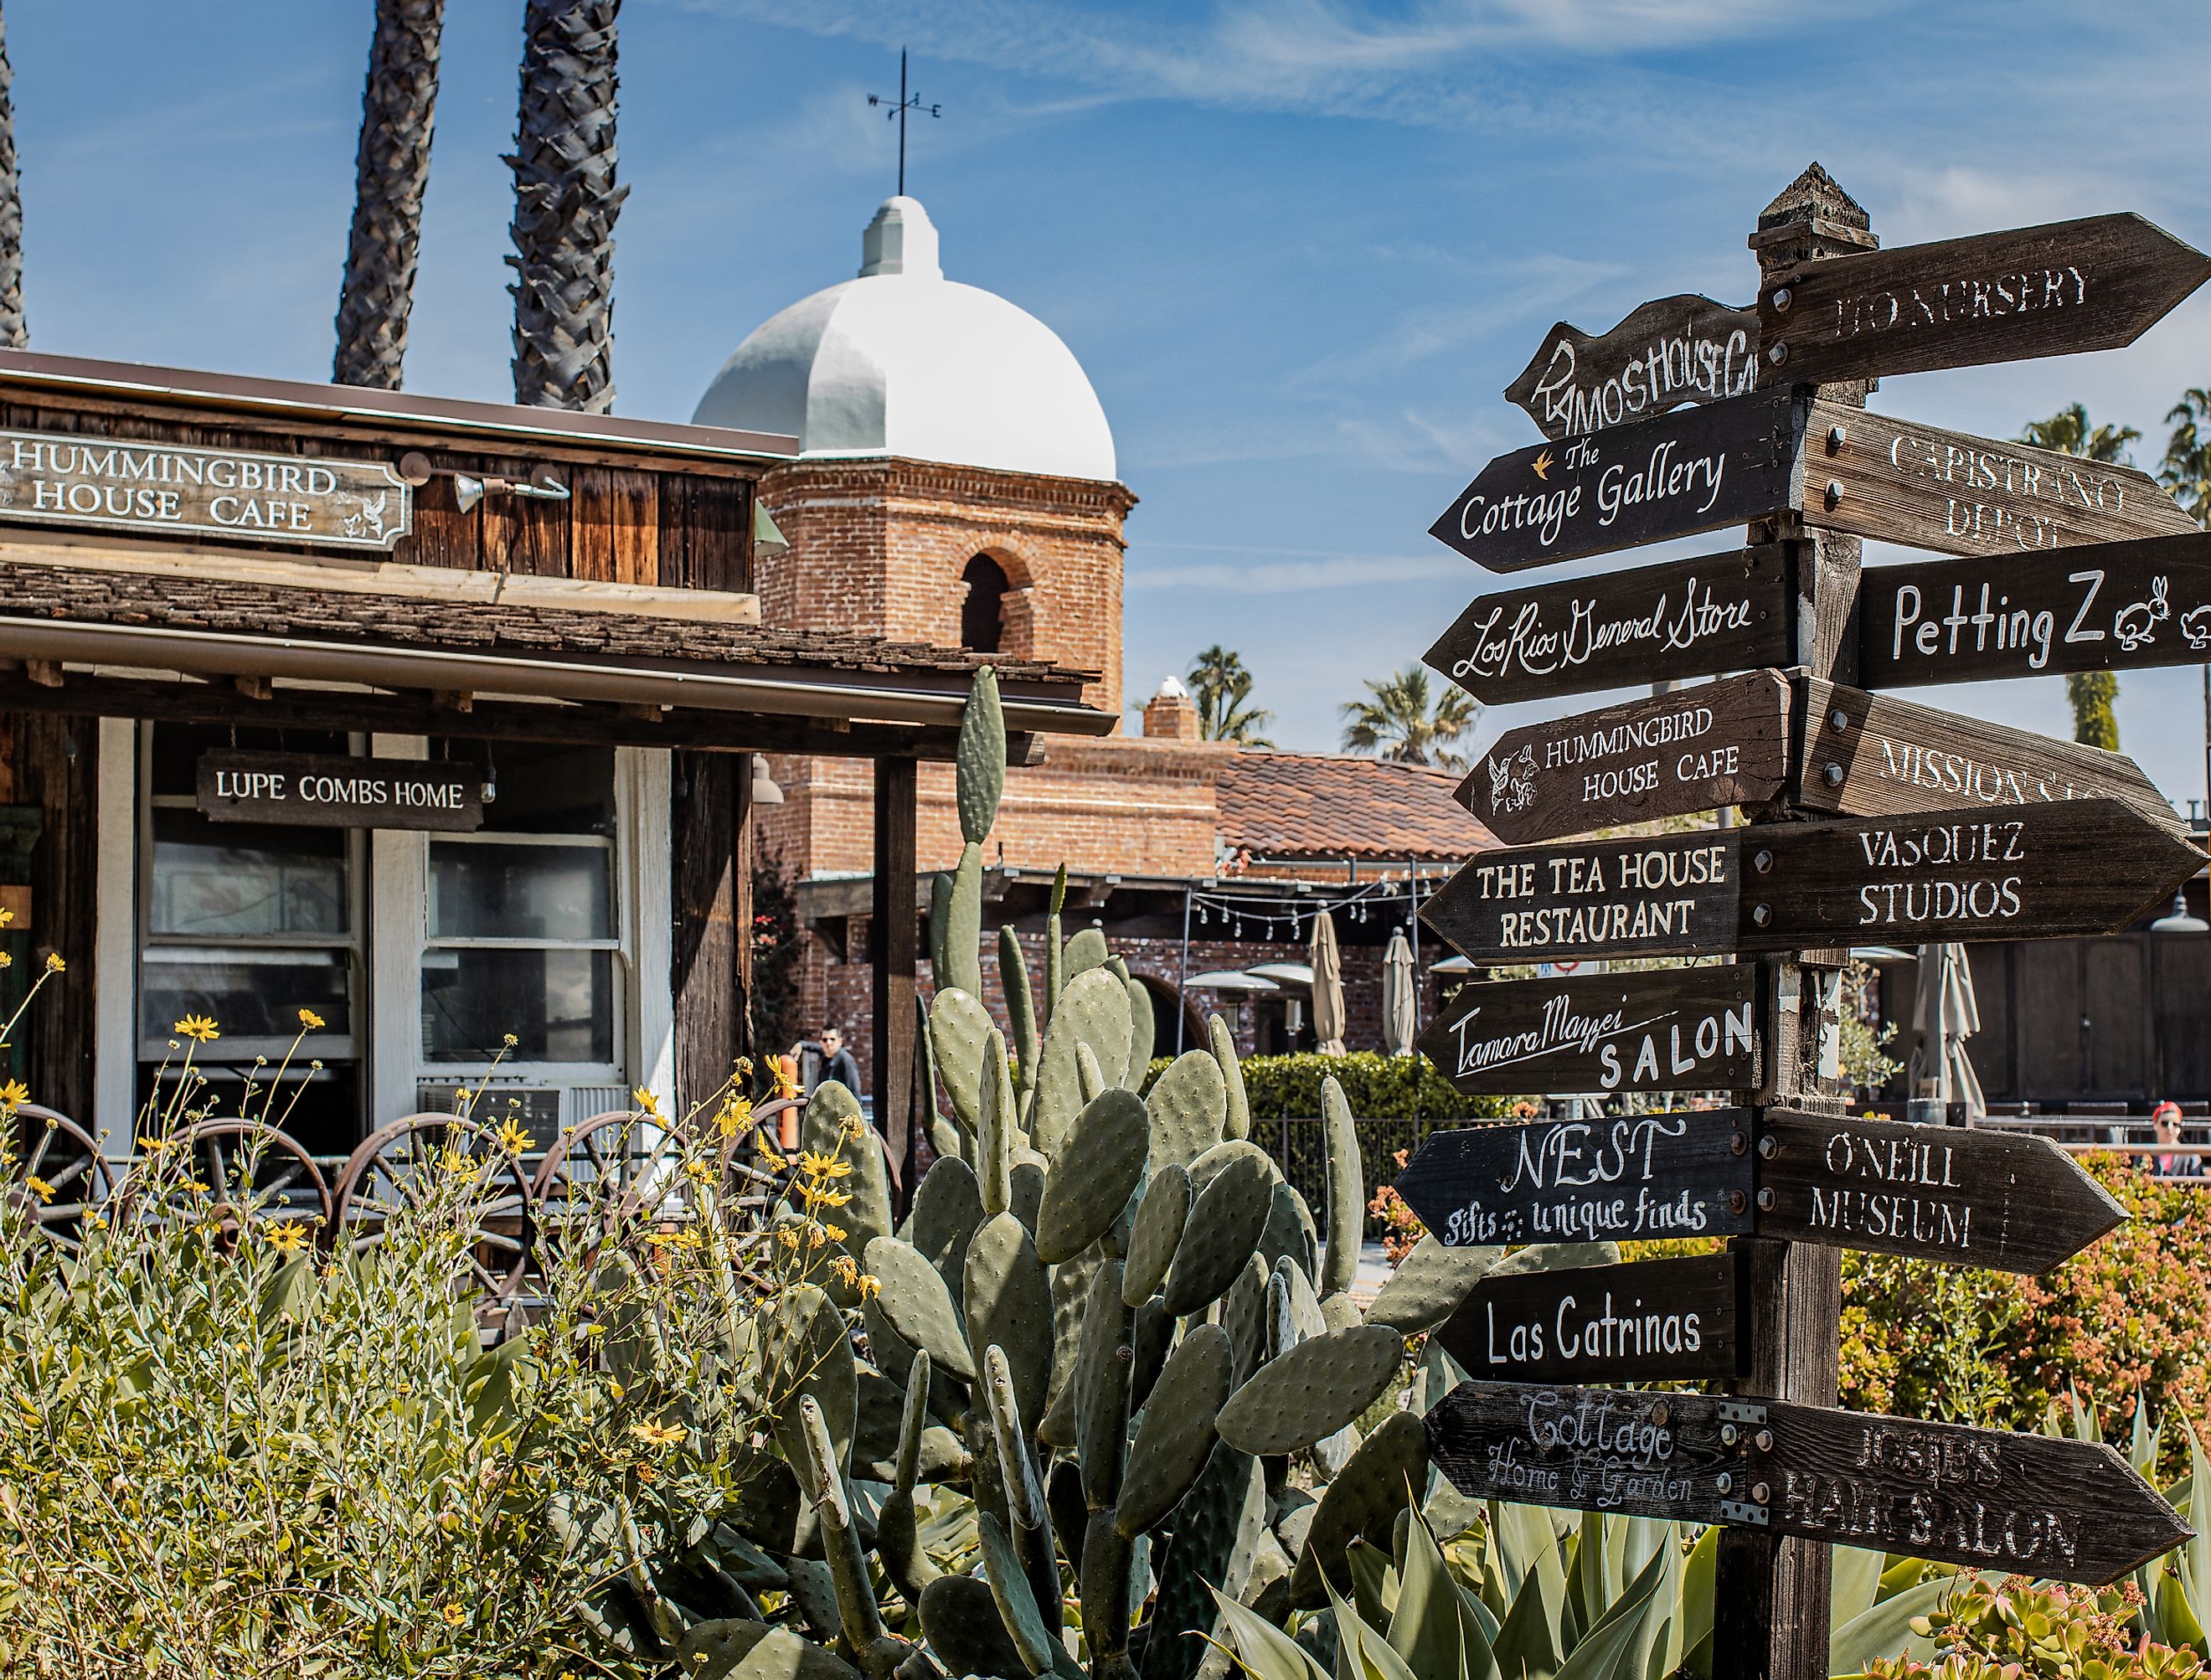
(2066, 1510)
(1653, 624)
(1659, 1029)
(1647, 1321)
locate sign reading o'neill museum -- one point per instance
(138, 486)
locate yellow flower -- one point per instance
(783, 1084)
(836, 1232)
(200, 1026)
(6, 916)
(787, 1237)
(286, 1238)
(455, 1615)
(511, 1137)
(658, 1434)
(646, 1101)
(13, 1096)
(699, 1171)
(823, 1166)
(744, 1063)
(311, 1021)
(776, 1163)
(456, 1161)
(154, 1145)
(829, 1199)
(38, 1187)
(54, 963)
(733, 1116)
(815, 1236)
(869, 1286)
(6, 961)
(510, 1040)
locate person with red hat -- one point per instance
(2167, 1163)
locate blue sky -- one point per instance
(1299, 245)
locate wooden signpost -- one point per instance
(330, 791)
(2006, 1201)
(2115, 606)
(1720, 743)
(1956, 494)
(1670, 351)
(1662, 1029)
(2065, 1510)
(2089, 867)
(2094, 284)
(1647, 1321)
(1875, 756)
(1677, 475)
(1655, 624)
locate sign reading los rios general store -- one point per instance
(169, 489)
(2066, 1510)
(308, 791)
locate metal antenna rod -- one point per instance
(906, 102)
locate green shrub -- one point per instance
(1378, 1088)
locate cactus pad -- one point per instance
(1143, 1028)
(1288, 1234)
(1101, 1388)
(1244, 1316)
(1340, 1312)
(965, 1633)
(1094, 1009)
(1557, 1256)
(1361, 1503)
(1188, 1104)
(1312, 1391)
(1202, 1169)
(1085, 951)
(963, 924)
(1429, 1285)
(1154, 1237)
(1020, 1002)
(1221, 1235)
(1296, 1298)
(958, 1029)
(919, 1306)
(1097, 1171)
(1176, 1437)
(947, 1206)
(1151, 1335)
(1217, 1529)
(979, 761)
(809, 1355)
(1237, 1121)
(1347, 1192)
(1009, 1300)
(1070, 1292)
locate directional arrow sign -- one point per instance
(2007, 1201)
(2114, 606)
(1960, 495)
(1721, 744)
(1662, 1029)
(2089, 867)
(1681, 473)
(1670, 351)
(1647, 1321)
(2068, 286)
(1875, 755)
(2065, 1510)
(1656, 623)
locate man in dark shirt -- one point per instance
(826, 1058)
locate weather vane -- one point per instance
(905, 103)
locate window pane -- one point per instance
(249, 998)
(228, 880)
(490, 891)
(177, 748)
(541, 790)
(560, 1005)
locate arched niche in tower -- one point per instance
(983, 609)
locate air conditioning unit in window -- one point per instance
(538, 1110)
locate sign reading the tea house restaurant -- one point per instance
(337, 792)
(143, 487)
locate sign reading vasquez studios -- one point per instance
(163, 488)
(333, 792)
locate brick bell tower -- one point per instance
(956, 485)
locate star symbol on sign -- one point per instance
(1542, 466)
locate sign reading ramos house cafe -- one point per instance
(161, 488)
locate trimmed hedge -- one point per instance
(1378, 1088)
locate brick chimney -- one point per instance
(1169, 715)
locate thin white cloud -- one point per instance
(1278, 571)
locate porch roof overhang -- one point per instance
(112, 640)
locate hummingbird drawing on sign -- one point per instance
(1542, 466)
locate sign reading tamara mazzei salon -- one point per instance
(132, 485)
(336, 793)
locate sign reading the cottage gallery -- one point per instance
(128, 484)
(332, 793)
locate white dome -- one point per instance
(903, 362)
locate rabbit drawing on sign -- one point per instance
(2196, 626)
(2132, 627)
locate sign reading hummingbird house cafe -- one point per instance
(125, 484)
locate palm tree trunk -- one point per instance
(398, 109)
(565, 205)
(13, 333)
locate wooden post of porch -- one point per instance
(710, 831)
(894, 947)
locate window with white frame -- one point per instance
(523, 922)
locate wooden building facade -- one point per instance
(553, 613)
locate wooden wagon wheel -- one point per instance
(594, 1184)
(391, 1171)
(60, 1175)
(237, 1174)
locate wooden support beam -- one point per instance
(46, 673)
(709, 801)
(255, 687)
(893, 931)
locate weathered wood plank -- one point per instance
(1955, 493)
(1648, 1321)
(1719, 743)
(1665, 1029)
(1662, 895)
(1669, 352)
(306, 790)
(2093, 284)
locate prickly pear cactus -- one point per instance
(1107, 1361)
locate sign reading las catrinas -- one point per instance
(48, 479)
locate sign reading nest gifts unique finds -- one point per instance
(131, 484)
(2066, 1510)
(334, 792)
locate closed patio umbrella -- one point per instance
(1327, 987)
(1946, 1014)
(1399, 999)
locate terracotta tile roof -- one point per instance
(1305, 805)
